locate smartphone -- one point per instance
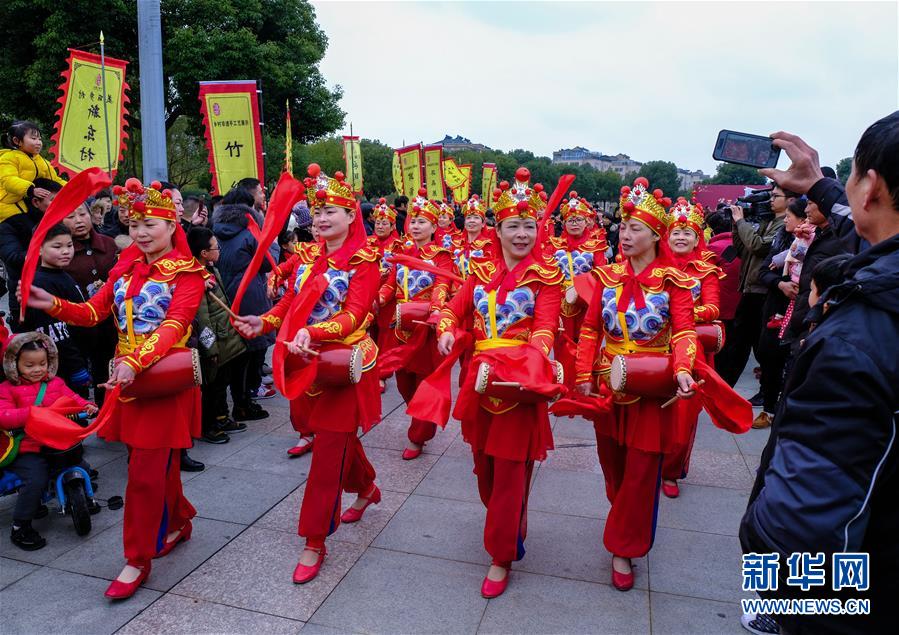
(745, 149)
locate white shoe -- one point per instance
(264, 392)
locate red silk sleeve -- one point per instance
(440, 290)
(590, 336)
(683, 333)
(454, 311)
(546, 316)
(189, 289)
(355, 309)
(388, 289)
(86, 314)
(709, 305)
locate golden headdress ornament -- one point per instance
(145, 202)
(648, 207)
(684, 214)
(520, 200)
(323, 190)
(423, 207)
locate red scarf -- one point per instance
(632, 289)
(506, 280)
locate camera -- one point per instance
(757, 206)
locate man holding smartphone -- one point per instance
(753, 243)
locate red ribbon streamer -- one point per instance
(69, 197)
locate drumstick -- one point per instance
(221, 303)
(509, 384)
(675, 397)
(307, 351)
(422, 322)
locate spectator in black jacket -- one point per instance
(15, 234)
(57, 251)
(828, 477)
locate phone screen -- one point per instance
(745, 149)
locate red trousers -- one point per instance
(420, 431)
(339, 465)
(504, 486)
(154, 502)
(632, 486)
(676, 464)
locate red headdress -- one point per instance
(145, 202)
(421, 206)
(690, 216)
(323, 190)
(474, 206)
(520, 200)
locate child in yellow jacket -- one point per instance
(21, 163)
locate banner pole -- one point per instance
(105, 109)
(262, 126)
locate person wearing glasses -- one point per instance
(753, 244)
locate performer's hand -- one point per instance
(445, 343)
(210, 283)
(300, 342)
(804, 171)
(91, 409)
(686, 387)
(249, 326)
(584, 388)
(122, 375)
(39, 299)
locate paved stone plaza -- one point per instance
(414, 564)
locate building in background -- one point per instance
(457, 143)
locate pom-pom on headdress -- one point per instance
(647, 207)
(423, 207)
(145, 202)
(474, 206)
(683, 214)
(323, 190)
(383, 211)
(575, 206)
(520, 200)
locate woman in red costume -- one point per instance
(475, 241)
(414, 353)
(153, 293)
(687, 244)
(576, 253)
(641, 305)
(513, 303)
(446, 232)
(386, 241)
(329, 302)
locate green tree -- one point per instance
(661, 175)
(733, 174)
(844, 169)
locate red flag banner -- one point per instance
(233, 137)
(84, 116)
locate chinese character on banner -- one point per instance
(850, 571)
(806, 570)
(231, 117)
(760, 571)
(84, 119)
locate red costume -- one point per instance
(574, 256)
(414, 355)
(646, 312)
(152, 306)
(513, 316)
(331, 296)
(385, 247)
(445, 237)
(706, 295)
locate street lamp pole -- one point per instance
(152, 103)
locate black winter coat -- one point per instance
(237, 248)
(829, 476)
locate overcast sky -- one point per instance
(655, 80)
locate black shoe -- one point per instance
(254, 412)
(229, 425)
(41, 512)
(215, 436)
(93, 507)
(757, 400)
(189, 465)
(27, 538)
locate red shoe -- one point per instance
(411, 453)
(671, 491)
(183, 536)
(300, 450)
(305, 573)
(123, 590)
(494, 588)
(353, 515)
(623, 581)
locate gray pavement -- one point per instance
(414, 564)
